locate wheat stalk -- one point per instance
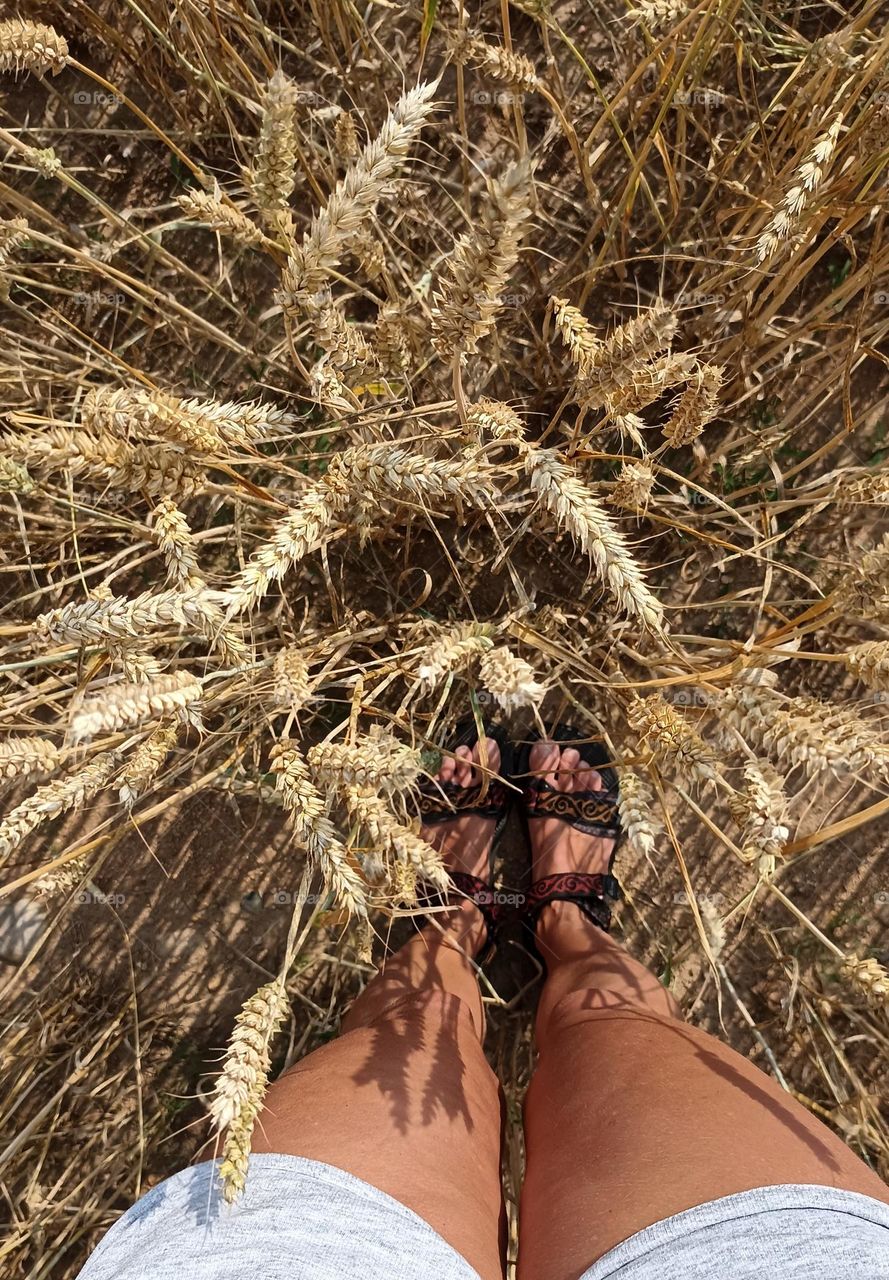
(20, 757)
(314, 829)
(468, 295)
(122, 706)
(55, 797)
(243, 1081)
(575, 508)
(31, 46)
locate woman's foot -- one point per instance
(556, 846)
(464, 841)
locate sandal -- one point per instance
(444, 801)
(593, 812)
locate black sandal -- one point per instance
(491, 798)
(593, 812)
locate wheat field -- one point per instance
(365, 369)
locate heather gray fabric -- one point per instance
(302, 1220)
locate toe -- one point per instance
(463, 767)
(446, 771)
(492, 755)
(588, 780)
(544, 761)
(567, 775)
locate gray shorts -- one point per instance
(302, 1220)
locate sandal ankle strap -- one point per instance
(593, 894)
(467, 888)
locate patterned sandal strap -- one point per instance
(473, 888)
(442, 801)
(595, 813)
(593, 894)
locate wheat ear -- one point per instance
(355, 196)
(102, 455)
(806, 181)
(510, 679)
(870, 663)
(22, 756)
(393, 838)
(314, 830)
(211, 211)
(55, 797)
(637, 816)
(291, 688)
(31, 46)
(271, 180)
(243, 1081)
(468, 296)
(145, 763)
(378, 762)
(175, 540)
(576, 510)
(761, 812)
(123, 706)
(869, 976)
(453, 649)
(698, 405)
(672, 741)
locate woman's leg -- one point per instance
(404, 1098)
(632, 1115)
